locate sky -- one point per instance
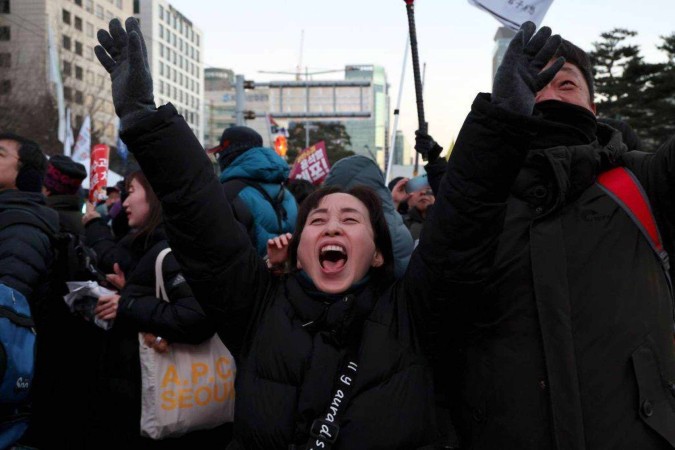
(455, 42)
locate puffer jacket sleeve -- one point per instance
(181, 319)
(459, 240)
(221, 266)
(98, 236)
(25, 257)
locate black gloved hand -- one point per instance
(125, 57)
(426, 146)
(519, 76)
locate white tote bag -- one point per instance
(188, 388)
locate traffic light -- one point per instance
(281, 146)
(249, 115)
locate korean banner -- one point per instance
(513, 13)
(98, 175)
(311, 164)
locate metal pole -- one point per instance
(422, 124)
(416, 65)
(396, 112)
(240, 100)
(416, 168)
(306, 134)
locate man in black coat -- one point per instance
(26, 225)
(567, 311)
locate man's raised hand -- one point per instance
(520, 75)
(123, 54)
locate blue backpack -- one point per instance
(17, 362)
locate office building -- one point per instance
(26, 29)
(176, 57)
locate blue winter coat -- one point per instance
(269, 170)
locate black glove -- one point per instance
(426, 146)
(519, 76)
(125, 58)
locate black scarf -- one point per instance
(564, 124)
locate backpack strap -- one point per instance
(160, 289)
(277, 202)
(623, 186)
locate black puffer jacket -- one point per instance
(69, 208)
(568, 314)
(26, 251)
(116, 417)
(286, 371)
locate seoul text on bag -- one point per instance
(188, 388)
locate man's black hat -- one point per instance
(235, 141)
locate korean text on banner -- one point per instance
(99, 172)
(311, 164)
(513, 13)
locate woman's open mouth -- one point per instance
(332, 258)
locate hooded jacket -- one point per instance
(567, 312)
(286, 365)
(263, 166)
(361, 171)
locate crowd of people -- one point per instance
(514, 297)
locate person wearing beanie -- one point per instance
(61, 186)
(253, 179)
(26, 228)
(564, 310)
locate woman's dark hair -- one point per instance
(382, 276)
(155, 213)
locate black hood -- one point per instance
(31, 202)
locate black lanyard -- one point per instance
(325, 429)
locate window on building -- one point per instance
(161, 68)
(65, 16)
(5, 87)
(78, 2)
(161, 31)
(79, 97)
(89, 29)
(79, 73)
(99, 12)
(5, 34)
(4, 7)
(119, 4)
(108, 16)
(78, 48)
(78, 23)
(89, 5)
(89, 52)
(161, 50)
(5, 60)
(67, 93)
(137, 7)
(161, 12)
(66, 42)
(67, 69)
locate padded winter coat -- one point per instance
(568, 315)
(286, 365)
